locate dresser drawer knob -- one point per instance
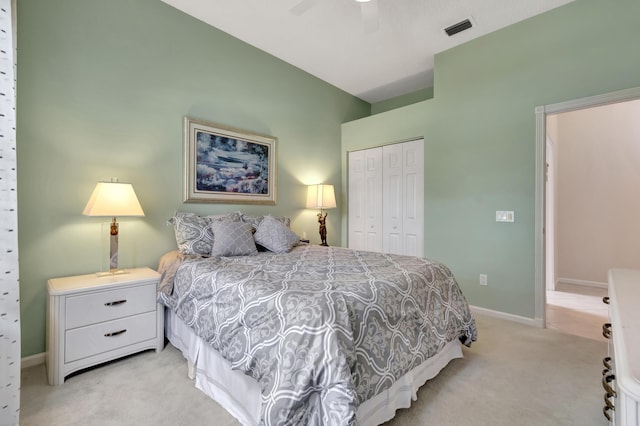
(607, 401)
(607, 387)
(606, 330)
(116, 333)
(605, 300)
(116, 302)
(605, 411)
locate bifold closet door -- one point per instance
(403, 195)
(386, 199)
(365, 200)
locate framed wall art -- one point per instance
(224, 165)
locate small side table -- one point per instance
(92, 319)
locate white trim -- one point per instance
(33, 360)
(591, 101)
(582, 282)
(533, 322)
(538, 275)
(541, 118)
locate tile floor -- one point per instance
(576, 309)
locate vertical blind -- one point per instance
(9, 284)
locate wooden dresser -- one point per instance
(621, 376)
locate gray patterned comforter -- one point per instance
(321, 329)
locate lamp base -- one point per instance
(322, 217)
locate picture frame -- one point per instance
(226, 165)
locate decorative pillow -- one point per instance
(232, 239)
(275, 236)
(193, 232)
(255, 220)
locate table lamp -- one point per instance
(112, 199)
(321, 197)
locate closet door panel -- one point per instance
(393, 196)
(413, 198)
(365, 200)
(373, 212)
(357, 199)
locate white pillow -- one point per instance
(275, 236)
(232, 239)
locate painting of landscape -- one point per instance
(230, 165)
(226, 165)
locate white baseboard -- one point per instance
(581, 282)
(33, 360)
(533, 322)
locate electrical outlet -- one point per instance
(483, 279)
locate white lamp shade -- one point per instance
(321, 197)
(113, 199)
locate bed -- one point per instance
(305, 334)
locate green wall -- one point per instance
(102, 90)
(403, 100)
(479, 134)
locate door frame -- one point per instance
(541, 113)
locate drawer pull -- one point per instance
(116, 333)
(607, 387)
(605, 411)
(116, 302)
(605, 300)
(607, 401)
(607, 364)
(606, 330)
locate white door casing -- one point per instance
(541, 135)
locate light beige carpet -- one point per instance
(513, 375)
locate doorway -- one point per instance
(546, 253)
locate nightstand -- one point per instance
(93, 319)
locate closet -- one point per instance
(386, 199)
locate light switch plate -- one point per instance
(505, 216)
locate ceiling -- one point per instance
(334, 42)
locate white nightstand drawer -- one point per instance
(94, 339)
(86, 309)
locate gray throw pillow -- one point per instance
(232, 239)
(275, 236)
(255, 220)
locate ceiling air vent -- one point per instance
(458, 27)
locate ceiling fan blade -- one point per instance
(302, 7)
(370, 18)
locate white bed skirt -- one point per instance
(239, 394)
